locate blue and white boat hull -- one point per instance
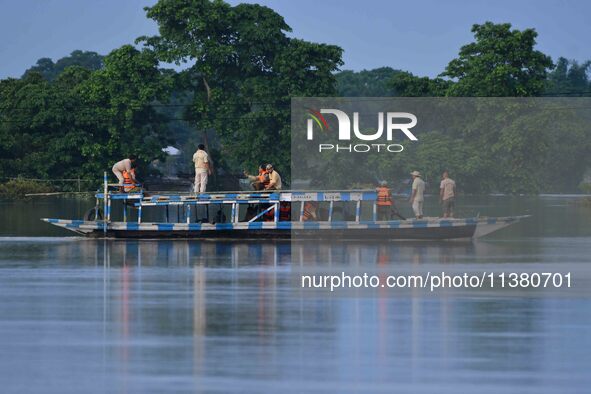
(429, 228)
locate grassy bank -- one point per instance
(19, 188)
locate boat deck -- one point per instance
(359, 207)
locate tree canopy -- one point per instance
(241, 66)
(500, 63)
(50, 70)
(82, 122)
(243, 70)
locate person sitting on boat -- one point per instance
(310, 211)
(260, 181)
(284, 211)
(417, 196)
(123, 165)
(129, 180)
(202, 169)
(274, 179)
(385, 203)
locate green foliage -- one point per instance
(244, 71)
(500, 63)
(367, 83)
(82, 122)
(50, 70)
(409, 85)
(569, 78)
(18, 188)
(77, 116)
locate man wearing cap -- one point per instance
(417, 196)
(274, 179)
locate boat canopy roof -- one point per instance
(250, 197)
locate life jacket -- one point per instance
(309, 211)
(263, 177)
(128, 180)
(284, 211)
(384, 196)
(269, 216)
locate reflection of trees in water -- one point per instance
(378, 254)
(241, 291)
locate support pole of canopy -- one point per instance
(105, 207)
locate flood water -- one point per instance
(93, 316)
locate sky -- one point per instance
(420, 36)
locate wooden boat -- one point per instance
(346, 215)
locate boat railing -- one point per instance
(271, 200)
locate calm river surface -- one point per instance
(94, 316)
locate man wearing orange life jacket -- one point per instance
(123, 165)
(129, 180)
(260, 181)
(285, 211)
(385, 203)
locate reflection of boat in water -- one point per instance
(342, 215)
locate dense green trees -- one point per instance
(367, 83)
(50, 70)
(520, 155)
(500, 63)
(83, 121)
(569, 78)
(243, 70)
(76, 116)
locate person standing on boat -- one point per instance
(274, 179)
(447, 195)
(122, 166)
(417, 196)
(202, 169)
(385, 203)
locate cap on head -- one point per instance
(383, 183)
(269, 166)
(415, 173)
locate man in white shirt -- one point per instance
(274, 179)
(417, 197)
(447, 195)
(202, 169)
(122, 166)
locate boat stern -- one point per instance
(78, 226)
